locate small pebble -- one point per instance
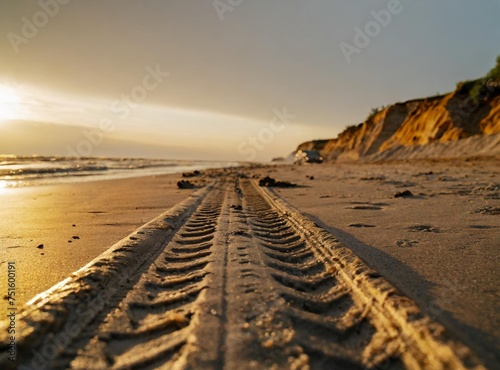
(40, 246)
(76, 237)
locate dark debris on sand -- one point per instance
(488, 210)
(403, 194)
(191, 174)
(270, 182)
(185, 185)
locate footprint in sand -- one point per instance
(488, 210)
(366, 207)
(405, 243)
(423, 228)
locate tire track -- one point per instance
(344, 314)
(150, 328)
(328, 326)
(243, 281)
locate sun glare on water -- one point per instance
(4, 187)
(10, 103)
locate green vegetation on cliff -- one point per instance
(482, 87)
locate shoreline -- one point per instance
(31, 171)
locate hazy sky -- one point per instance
(226, 79)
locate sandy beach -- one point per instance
(439, 246)
(234, 260)
(249, 185)
(102, 212)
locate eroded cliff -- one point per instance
(473, 109)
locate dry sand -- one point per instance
(103, 212)
(440, 246)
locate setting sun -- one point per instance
(10, 101)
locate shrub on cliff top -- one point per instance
(374, 112)
(478, 89)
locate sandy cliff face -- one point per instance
(431, 121)
(490, 124)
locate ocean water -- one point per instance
(17, 171)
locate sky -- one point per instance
(223, 79)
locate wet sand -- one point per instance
(103, 212)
